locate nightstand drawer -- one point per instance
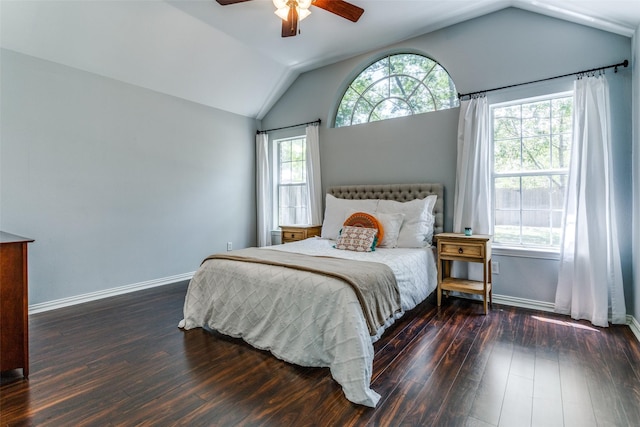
(293, 233)
(290, 235)
(465, 250)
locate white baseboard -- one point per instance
(78, 299)
(523, 303)
(634, 325)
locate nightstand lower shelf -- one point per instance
(464, 285)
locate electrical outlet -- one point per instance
(495, 267)
(229, 246)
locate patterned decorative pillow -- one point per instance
(365, 220)
(359, 239)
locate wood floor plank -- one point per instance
(123, 361)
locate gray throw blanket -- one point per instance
(374, 283)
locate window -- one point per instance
(291, 182)
(531, 154)
(396, 86)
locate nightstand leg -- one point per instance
(490, 278)
(485, 294)
(439, 291)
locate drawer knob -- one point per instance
(460, 250)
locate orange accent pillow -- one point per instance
(363, 219)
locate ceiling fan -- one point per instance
(293, 11)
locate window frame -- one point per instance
(514, 249)
(423, 83)
(276, 184)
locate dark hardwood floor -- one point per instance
(123, 361)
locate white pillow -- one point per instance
(391, 224)
(417, 228)
(335, 213)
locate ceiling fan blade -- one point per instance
(341, 8)
(227, 2)
(290, 26)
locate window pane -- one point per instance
(361, 112)
(403, 86)
(507, 232)
(422, 100)
(556, 227)
(562, 114)
(536, 230)
(343, 117)
(507, 212)
(536, 153)
(373, 73)
(535, 192)
(410, 64)
(439, 84)
(558, 190)
(506, 127)
(285, 151)
(285, 173)
(535, 126)
(377, 92)
(506, 155)
(392, 108)
(293, 204)
(507, 193)
(561, 151)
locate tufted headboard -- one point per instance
(397, 192)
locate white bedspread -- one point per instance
(301, 317)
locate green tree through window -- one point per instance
(396, 86)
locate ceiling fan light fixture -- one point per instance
(303, 13)
(282, 8)
(283, 13)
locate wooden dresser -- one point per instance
(14, 303)
(292, 233)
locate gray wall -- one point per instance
(506, 47)
(118, 185)
(636, 172)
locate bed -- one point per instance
(305, 301)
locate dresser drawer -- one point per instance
(462, 250)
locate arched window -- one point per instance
(396, 86)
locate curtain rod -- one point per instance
(288, 127)
(624, 63)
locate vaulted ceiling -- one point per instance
(233, 57)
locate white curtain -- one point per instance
(472, 198)
(590, 275)
(472, 207)
(263, 190)
(314, 180)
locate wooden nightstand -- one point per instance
(293, 233)
(458, 247)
